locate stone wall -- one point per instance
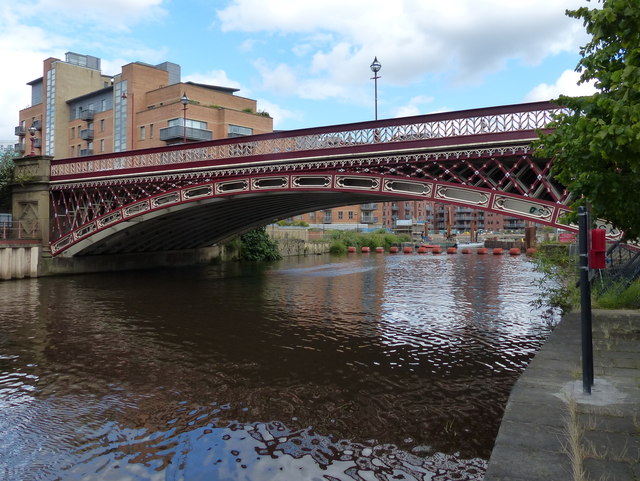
(18, 262)
(299, 247)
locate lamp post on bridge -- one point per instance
(375, 68)
(184, 100)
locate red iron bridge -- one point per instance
(195, 195)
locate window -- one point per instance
(350, 215)
(73, 150)
(142, 132)
(101, 145)
(238, 131)
(103, 105)
(151, 131)
(73, 132)
(340, 214)
(193, 124)
(102, 125)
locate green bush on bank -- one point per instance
(558, 288)
(616, 296)
(342, 240)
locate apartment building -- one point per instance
(76, 110)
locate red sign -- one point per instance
(567, 237)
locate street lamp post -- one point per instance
(375, 68)
(184, 100)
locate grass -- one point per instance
(614, 297)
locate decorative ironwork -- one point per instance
(476, 158)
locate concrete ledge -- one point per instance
(532, 442)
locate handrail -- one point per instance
(494, 120)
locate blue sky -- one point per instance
(307, 61)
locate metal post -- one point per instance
(585, 301)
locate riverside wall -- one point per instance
(19, 261)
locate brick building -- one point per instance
(76, 110)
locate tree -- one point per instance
(596, 143)
(257, 246)
(6, 179)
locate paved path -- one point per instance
(548, 420)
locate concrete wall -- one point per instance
(299, 247)
(18, 262)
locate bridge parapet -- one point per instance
(521, 121)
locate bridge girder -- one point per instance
(201, 214)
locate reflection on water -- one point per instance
(363, 367)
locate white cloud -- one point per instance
(567, 84)
(412, 37)
(414, 107)
(278, 113)
(214, 77)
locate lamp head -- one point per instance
(375, 66)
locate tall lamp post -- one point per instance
(184, 100)
(375, 68)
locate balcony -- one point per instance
(21, 131)
(19, 147)
(87, 114)
(37, 124)
(37, 143)
(86, 134)
(85, 152)
(369, 219)
(176, 133)
(368, 206)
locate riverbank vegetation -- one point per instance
(558, 289)
(342, 240)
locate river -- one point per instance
(366, 367)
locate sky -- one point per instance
(307, 62)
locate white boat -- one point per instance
(470, 245)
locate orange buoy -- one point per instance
(482, 250)
(498, 251)
(351, 249)
(366, 249)
(514, 251)
(466, 251)
(530, 251)
(379, 250)
(407, 250)
(393, 250)
(451, 250)
(422, 250)
(436, 250)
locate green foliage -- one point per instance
(257, 246)
(300, 223)
(557, 289)
(7, 171)
(342, 239)
(596, 145)
(616, 297)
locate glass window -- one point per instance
(340, 214)
(239, 131)
(102, 125)
(193, 124)
(142, 132)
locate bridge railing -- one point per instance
(12, 231)
(494, 120)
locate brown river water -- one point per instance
(366, 367)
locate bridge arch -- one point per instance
(202, 214)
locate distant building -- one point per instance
(76, 110)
